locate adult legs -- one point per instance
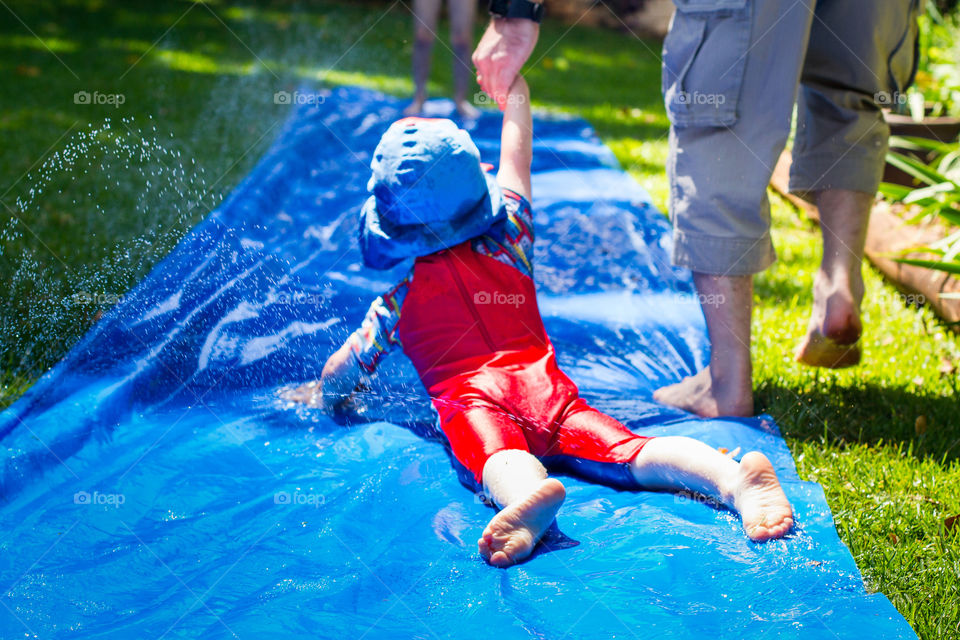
(724, 387)
(462, 13)
(858, 50)
(727, 134)
(426, 14)
(838, 289)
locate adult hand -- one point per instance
(504, 48)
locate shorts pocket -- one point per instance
(905, 56)
(704, 58)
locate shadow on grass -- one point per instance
(926, 424)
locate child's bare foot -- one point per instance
(763, 506)
(512, 534)
(698, 395)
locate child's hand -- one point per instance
(501, 53)
(340, 378)
(309, 394)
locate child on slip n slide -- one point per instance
(466, 315)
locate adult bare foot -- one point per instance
(466, 110)
(725, 387)
(512, 534)
(835, 327)
(760, 500)
(834, 331)
(699, 394)
(415, 108)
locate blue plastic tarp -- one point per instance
(154, 484)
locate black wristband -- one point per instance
(517, 9)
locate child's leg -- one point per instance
(529, 501)
(676, 463)
(426, 13)
(492, 445)
(461, 38)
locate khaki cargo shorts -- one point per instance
(732, 72)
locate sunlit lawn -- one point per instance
(198, 81)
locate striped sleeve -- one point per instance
(511, 241)
(377, 335)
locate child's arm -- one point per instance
(516, 140)
(346, 370)
(360, 355)
(341, 376)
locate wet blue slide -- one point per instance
(154, 484)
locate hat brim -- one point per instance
(385, 245)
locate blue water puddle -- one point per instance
(155, 484)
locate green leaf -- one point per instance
(949, 243)
(918, 107)
(914, 143)
(915, 168)
(950, 162)
(894, 192)
(950, 214)
(947, 267)
(930, 192)
(909, 250)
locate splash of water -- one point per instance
(86, 225)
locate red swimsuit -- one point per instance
(468, 319)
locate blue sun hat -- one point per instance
(430, 192)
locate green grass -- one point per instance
(111, 201)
